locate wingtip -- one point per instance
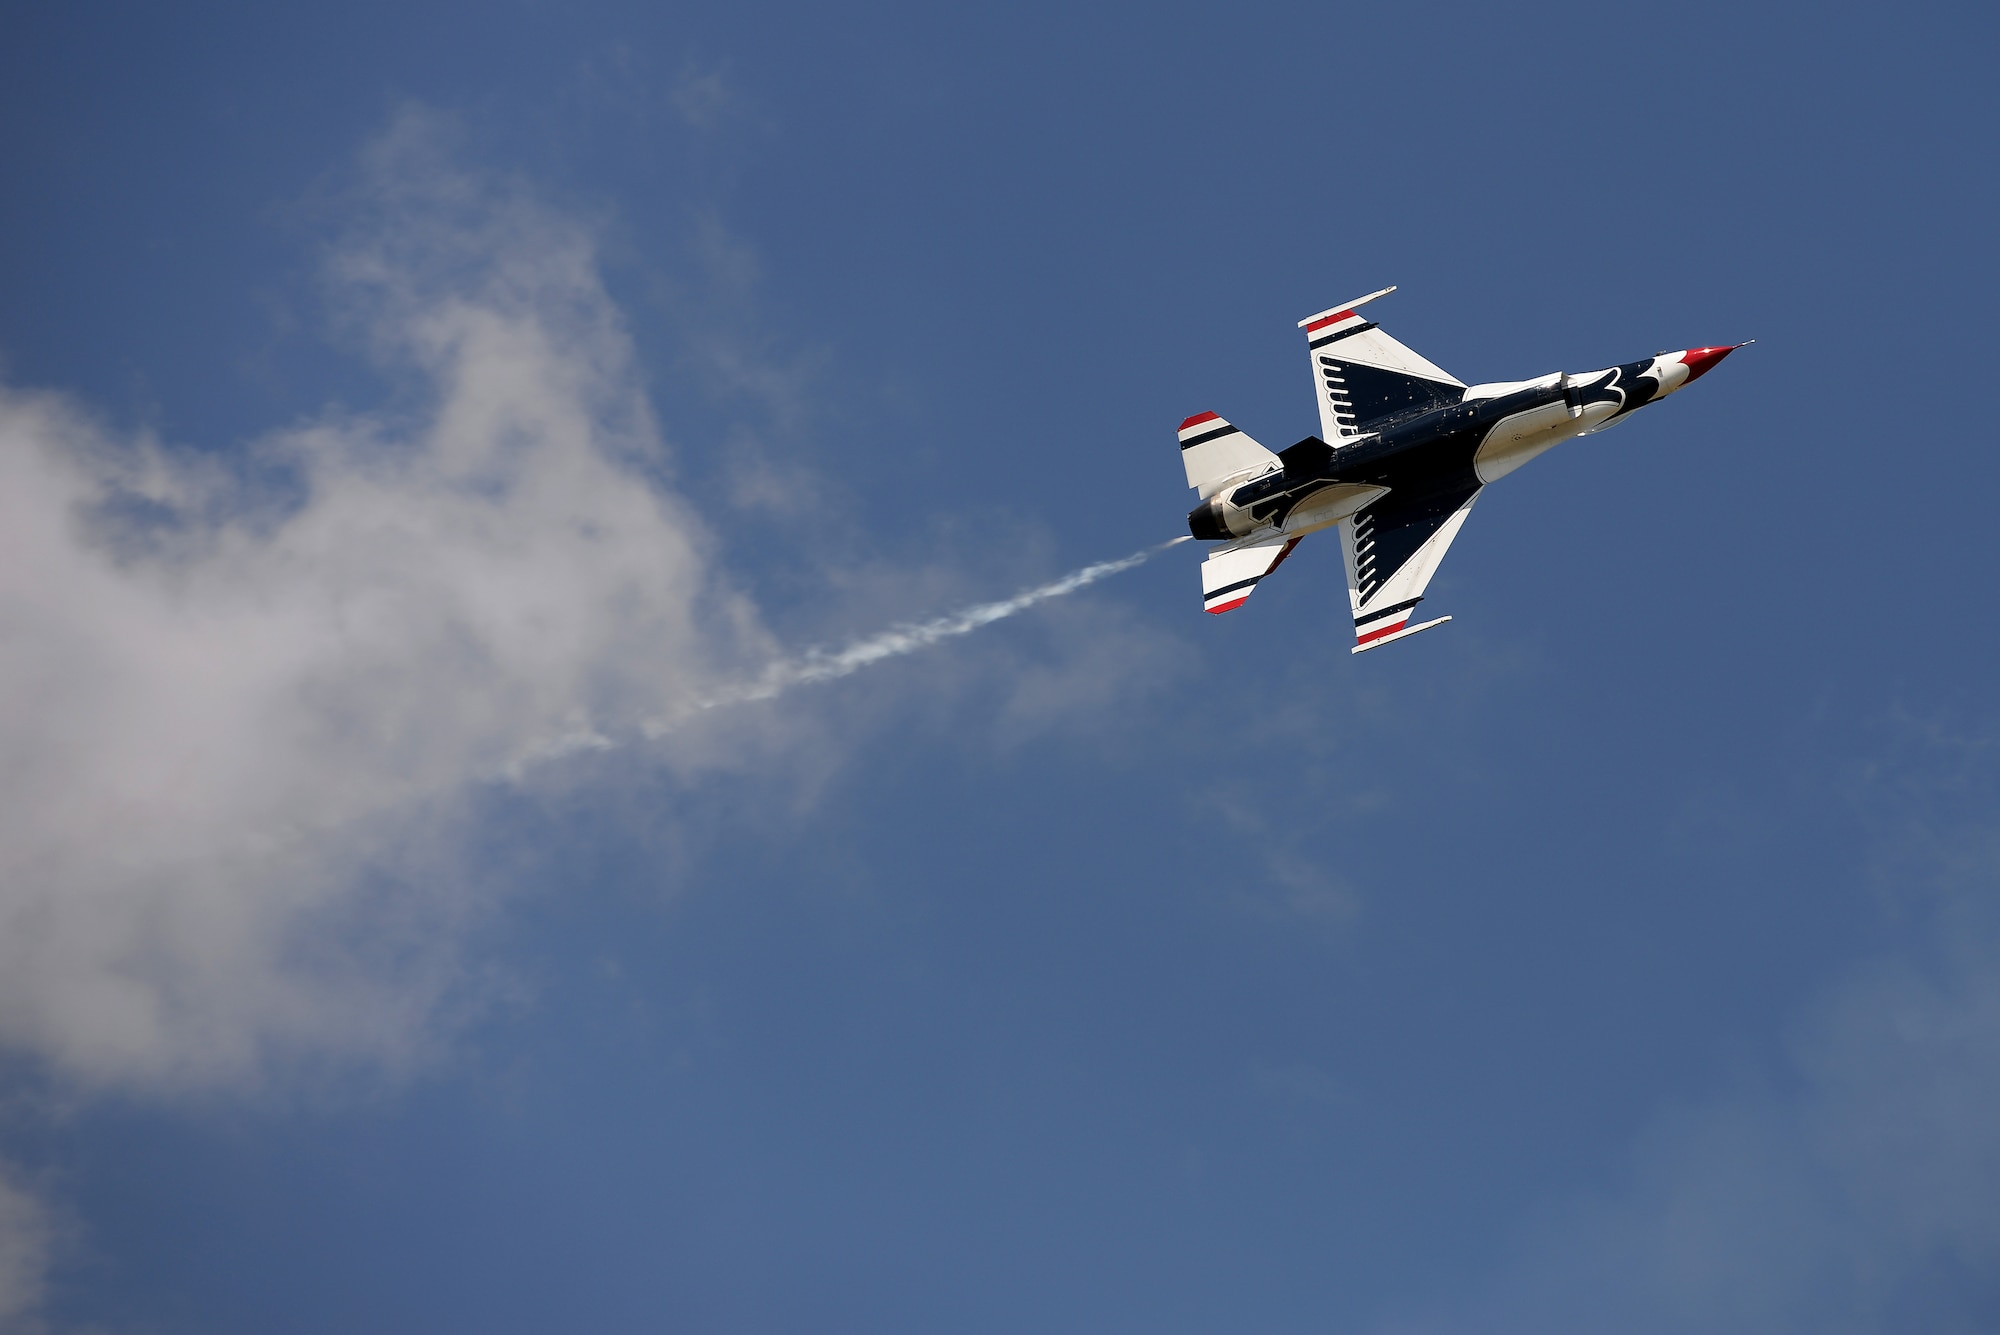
(1393, 636)
(1346, 306)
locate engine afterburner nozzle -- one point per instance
(1205, 522)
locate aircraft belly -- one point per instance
(1439, 463)
(1515, 440)
(1595, 415)
(1329, 505)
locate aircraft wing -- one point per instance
(1228, 577)
(1364, 377)
(1392, 548)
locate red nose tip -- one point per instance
(1699, 360)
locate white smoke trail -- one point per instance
(817, 665)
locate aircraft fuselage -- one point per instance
(1444, 452)
(1404, 450)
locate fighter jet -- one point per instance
(1403, 451)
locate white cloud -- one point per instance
(702, 97)
(252, 700)
(225, 700)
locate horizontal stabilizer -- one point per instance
(1213, 451)
(1377, 641)
(1229, 576)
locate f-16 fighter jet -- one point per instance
(1403, 451)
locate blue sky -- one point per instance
(399, 403)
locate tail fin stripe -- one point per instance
(1193, 441)
(1213, 450)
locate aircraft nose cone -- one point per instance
(1699, 360)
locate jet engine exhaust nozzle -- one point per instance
(1205, 523)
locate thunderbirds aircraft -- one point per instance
(1402, 453)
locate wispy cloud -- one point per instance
(26, 1245)
(1858, 1187)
